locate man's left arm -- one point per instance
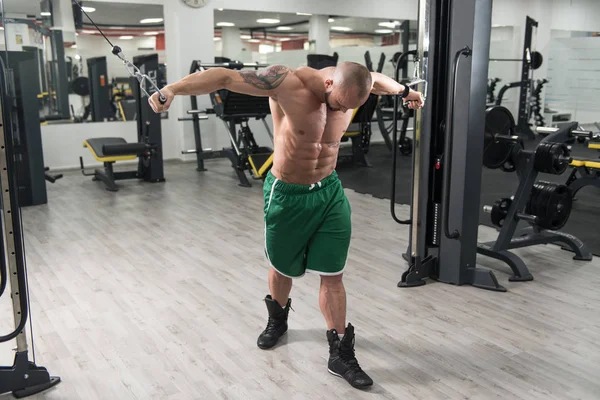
(384, 85)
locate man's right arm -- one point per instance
(265, 82)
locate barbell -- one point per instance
(534, 59)
(502, 145)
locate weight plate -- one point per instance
(499, 124)
(81, 86)
(551, 203)
(536, 59)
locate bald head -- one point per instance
(350, 88)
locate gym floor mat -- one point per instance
(376, 181)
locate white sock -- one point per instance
(340, 336)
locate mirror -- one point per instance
(573, 85)
(80, 80)
(285, 38)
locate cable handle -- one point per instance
(466, 51)
(133, 70)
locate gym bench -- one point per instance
(109, 150)
(584, 173)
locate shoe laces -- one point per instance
(347, 354)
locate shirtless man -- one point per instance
(306, 212)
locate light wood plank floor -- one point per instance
(156, 292)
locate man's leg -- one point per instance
(327, 255)
(332, 300)
(279, 286)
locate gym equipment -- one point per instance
(24, 377)
(536, 102)
(133, 70)
(359, 133)
(28, 150)
(545, 206)
(491, 99)
(148, 148)
(320, 61)
(387, 108)
(501, 150)
(529, 61)
(233, 109)
(101, 107)
(533, 58)
(585, 172)
(447, 168)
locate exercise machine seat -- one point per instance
(96, 148)
(594, 146)
(594, 164)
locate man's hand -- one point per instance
(155, 102)
(414, 100)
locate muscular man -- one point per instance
(306, 212)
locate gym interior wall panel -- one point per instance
(574, 82)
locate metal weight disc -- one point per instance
(551, 203)
(536, 59)
(81, 86)
(499, 124)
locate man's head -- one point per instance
(349, 87)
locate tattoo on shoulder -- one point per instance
(268, 78)
(333, 145)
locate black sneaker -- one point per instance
(342, 361)
(277, 324)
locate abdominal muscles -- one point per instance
(305, 156)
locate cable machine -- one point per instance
(24, 377)
(455, 135)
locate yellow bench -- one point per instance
(107, 175)
(585, 173)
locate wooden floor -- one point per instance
(156, 292)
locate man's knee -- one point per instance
(331, 280)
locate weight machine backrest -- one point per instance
(231, 104)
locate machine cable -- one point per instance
(132, 69)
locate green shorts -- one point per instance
(307, 227)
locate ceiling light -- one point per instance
(151, 21)
(245, 37)
(88, 9)
(125, 37)
(390, 24)
(117, 27)
(45, 14)
(220, 9)
(302, 13)
(284, 28)
(225, 24)
(216, 39)
(1, 28)
(89, 32)
(77, 57)
(267, 21)
(284, 39)
(74, 46)
(151, 33)
(341, 28)
(383, 31)
(331, 20)
(254, 41)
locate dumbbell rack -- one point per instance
(508, 238)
